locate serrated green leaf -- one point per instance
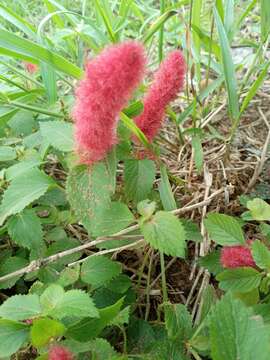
(18, 169)
(224, 229)
(11, 264)
(121, 318)
(44, 330)
(20, 307)
(25, 229)
(211, 262)
(260, 254)
(120, 284)
(165, 233)
(99, 270)
(88, 191)
(58, 134)
(13, 335)
(192, 230)
(139, 176)
(242, 279)
(260, 209)
(22, 191)
(178, 322)
(69, 276)
(235, 333)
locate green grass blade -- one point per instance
(246, 13)
(229, 19)
(161, 32)
(129, 123)
(255, 86)
(265, 19)
(157, 25)
(228, 68)
(220, 9)
(23, 25)
(196, 20)
(18, 47)
(106, 20)
(36, 109)
(207, 42)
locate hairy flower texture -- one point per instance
(109, 82)
(31, 68)
(60, 353)
(236, 256)
(168, 81)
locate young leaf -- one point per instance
(43, 330)
(23, 191)
(261, 255)
(58, 134)
(165, 233)
(20, 307)
(260, 209)
(99, 270)
(224, 229)
(139, 176)
(242, 279)
(13, 335)
(235, 333)
(25, 229)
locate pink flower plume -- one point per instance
(168, 81)
(60, 353)
(236, 256)
(109, 82)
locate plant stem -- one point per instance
(163, 277)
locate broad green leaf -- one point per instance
(165, 191)
(228, 68)
(112, 219)
(88, 329)
(88, 191)
(120, 284)
(242, 279)
(20, 307)
(22, 191)
(44, 330)
(178, 322)
(211, 262)
(25, 229)
(18, 47)
(224, 229)
(260, 254)
(165, 233)
(260, 209)
(99, 270)
(13, 263)
(235, 333)
(13, 335)
(58, 134)
(192, 230)
(139, 176)
(69, 276)
(7, 153)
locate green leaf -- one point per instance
(112, 219)
(122, 318)
(165, 191)
(7, 153)
(13, 335)
(18, 47)
(88, 329)
(157, 24)
(58, 134)
(25, 229)
(20, 307)
(211, 262)
(88, 191)
(228, 67)
(260, 209)
(139, 176)
(178, 322)
(22, 191)
(120, 284)
(44, 330)
(69, 276)
(192, 230)
(235, 333)
(165, 233)
(99, 270)
(265, 20)
(8, 266)
(198, 152)
(224, 229)
(242, 279)
(130, 124)
(261, 254)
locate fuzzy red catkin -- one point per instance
(168, 81)
(60, 353)
(109, 82)
(236, 256)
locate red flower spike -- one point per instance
(109, 82)
(236, 256)
(60, 353)
(168, 81)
